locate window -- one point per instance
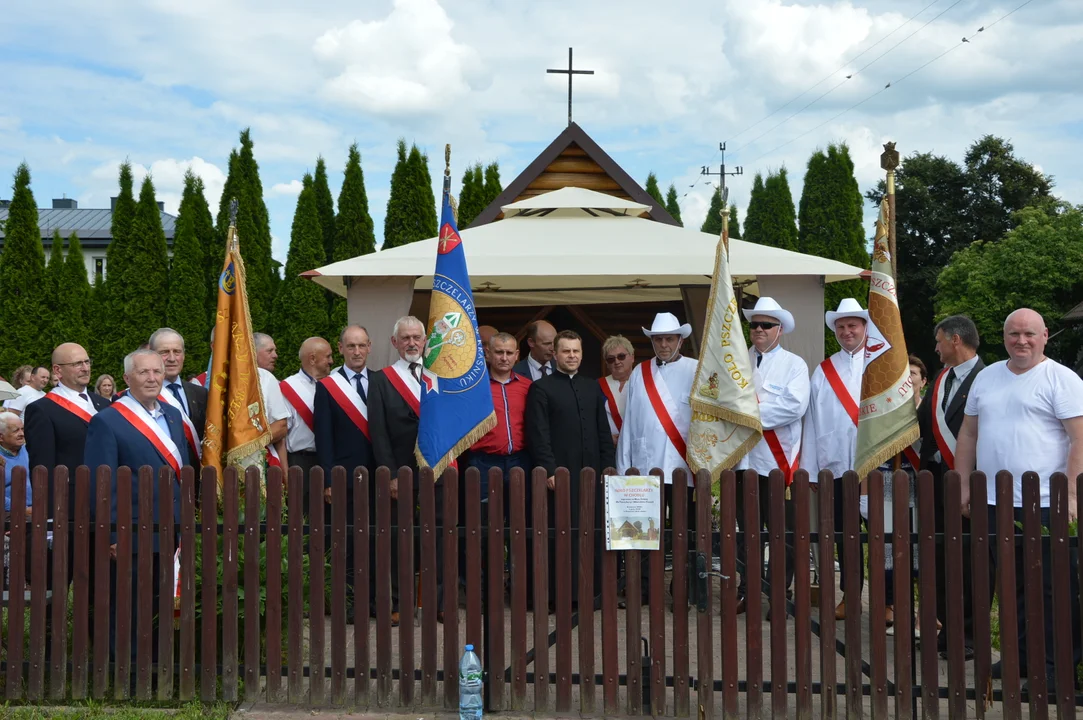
(99, 267)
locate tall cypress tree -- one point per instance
(326, 206)
(187, 284)
(425, 197)
(145, 295)
(411, 208)
(54, 271)
(253, 228)
(98, 324)
(73, 302)
(471, 196)
(214, 251)
(778, 226)
(735, 223)
(118, 274)
(354, 230)
(713, 222)
(751, 231)
(652, 189)
(22, 280)
(673, 207)
(492, 188)
(301, 308)
(398, 202)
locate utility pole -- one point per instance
(722, 173)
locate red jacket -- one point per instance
(509, 402)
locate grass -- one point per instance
(191, 711)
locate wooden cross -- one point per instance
(569, 72)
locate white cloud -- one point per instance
(290, 189)
(167, 175)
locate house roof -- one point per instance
(573, 159)
(88, 224)
(1075, 314)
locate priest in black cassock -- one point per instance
(567, 427)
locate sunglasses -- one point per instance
(758, 325)
(616, 358)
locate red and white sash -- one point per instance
(405, 388)
(615, 420)
(654, 394)
(345, 396)
(787, 466)
(841, 391)
(293, 397)
(190, 432)
(76, 410)
(137, 415)
(945, 440)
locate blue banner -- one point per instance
(456, 401)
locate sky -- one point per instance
(170, 85)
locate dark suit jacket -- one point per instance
(566, 425)
(393, 425)
(111, 440)
(953, 415)
(523, 368)
(54, 437)
(197, 406)
(338, 441)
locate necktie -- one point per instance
(759, 359)
(84, 396)
(415, 370)
(948, 382)
(175, 388)
(545, 369)
(360, 388)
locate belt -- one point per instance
(306, 453)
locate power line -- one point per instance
(889, 85)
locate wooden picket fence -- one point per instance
(283, 657)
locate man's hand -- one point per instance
(814, 487)
(964, 498)
(113, 551)
(551, 482)
(327, 495)
(394, 488)
(1073, 507)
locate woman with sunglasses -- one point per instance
(620, 360)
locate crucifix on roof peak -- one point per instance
(569, 72)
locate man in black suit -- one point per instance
(540, 337)
(940, 416)
(567, 427)
(189, 398)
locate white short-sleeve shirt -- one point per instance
(1019, 422)
(272, 396)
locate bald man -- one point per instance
(1026, 414)
(486, 332)
(299, 390)
(540, 336)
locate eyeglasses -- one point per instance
(77, 363)
(616, 358)
(758, 325)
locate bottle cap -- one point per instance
(470, 648)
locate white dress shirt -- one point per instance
(536, 368)
(782, 386)
(298, 435)
(275, 405)
(830, 435)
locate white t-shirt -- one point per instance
(272, 396)
(1019, 422)
(27, 395)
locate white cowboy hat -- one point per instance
(668, 324)
(847, 308)
(769, 307)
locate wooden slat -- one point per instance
(362, 537)
(656, 593)
(904, 592)
(495, 611)
(59, 667)
(168, 488)
(450, 482)
(633, 601)
(35, 684)
(187, 635)
(1037, 687)
(273, 619)
(679, 514)
(564, 572)
(407, 663)
(426, 494)
(144, 610)
(81, 559)
(383, 586)
(102, 541)
(230, 509)
(777, 512)
(587, 491)
(209, 620)
(704, 616)
(930, 673)
(1006, 570)
(520, 570)
(295, 603)
(728, 528)
(16, 582)
(825, 488)
(802, 596)
(557, 180)
(124, 610)
(316, 545)
(575, 165)
(541, 591)
(252, 582)
(979, 569)
(753, 577)
(851, 549)
(877, 601)
(1062, 599)
(338, 586)
(474, 590)
(953, 562)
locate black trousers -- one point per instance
(765, 522)
(155, 581)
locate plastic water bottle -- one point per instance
(470, 690)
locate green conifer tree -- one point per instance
(735, 223)
(492, 188)
(673, 207)
(471, 196)
(326, 205)
(354, 229)
(118, 274)
(751, 230)
(653, 190)
(214, 251)
(22, 280)
(98, 323)
(301, 308)
(54, 271)
(713, 222)
(73, 302)
(411, 207)
(187, 284)
(778, 224)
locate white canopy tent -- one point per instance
(577, 247)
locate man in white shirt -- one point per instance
(1026, 414)
(34, 389)
(782, 387)
(275, 404)
(829, 437)
(299, 390)
(620, 358)
(540, 337)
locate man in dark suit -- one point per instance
(940, 416)
(189, 398)
(567, 427)
(134, 431)
(538, 363)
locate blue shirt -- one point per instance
(20, 459)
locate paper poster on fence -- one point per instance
(633, 507)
